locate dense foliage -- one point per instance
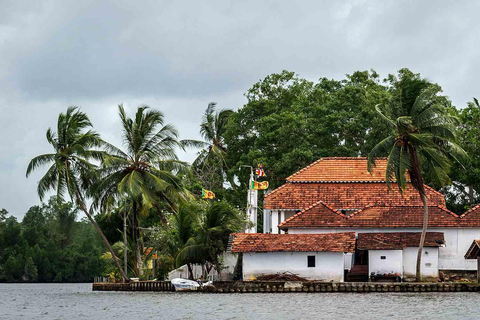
(49, 245)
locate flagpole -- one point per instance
(251, 203)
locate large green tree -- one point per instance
(145, 172)
(465, 191)
(74, 145)
(421, 140)
(289, 122)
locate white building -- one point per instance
(395, 254)
(314, 256)
(340, 195)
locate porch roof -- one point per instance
(397, 240)
(474, 251)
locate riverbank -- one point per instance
(271, 287)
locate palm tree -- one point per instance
(422, 140)
(145, 172)
(213, 227)
(70, 169)
(183, 229)
(211, 163)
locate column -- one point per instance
(274, 222)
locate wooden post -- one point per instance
(478, 269)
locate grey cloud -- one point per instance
(178, 56)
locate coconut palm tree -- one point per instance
(210, 163)
(71, 170)
(183, 229)
(145, 172)
(422, 140)
(213, 227)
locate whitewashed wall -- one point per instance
(392, 264)
(429, 266)
(328, 265)
(451, 257)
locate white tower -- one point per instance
(252, 201)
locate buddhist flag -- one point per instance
(207, 194)
(259, 171)
(259, 185)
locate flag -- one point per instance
(206, 194)
(259, 171)
(259, 185)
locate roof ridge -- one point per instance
(303, 169)
(433, 190)
(470, 210)
(311, 207)
(447, 211)
(361, 210)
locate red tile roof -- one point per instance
(341, 169)
(259, 242)
(472, 210)
(298, 196)
(379, 216)
(474, 251)
(397, 240)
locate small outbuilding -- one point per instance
(474, 253)
(312, 256)
(395, 254)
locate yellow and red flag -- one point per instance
(207, 194)
(259, 185)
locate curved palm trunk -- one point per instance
(136, 241)
(418, 274)
(190, 271)
(99, 231)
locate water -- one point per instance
(77, 301)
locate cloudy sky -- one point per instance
(177, 56)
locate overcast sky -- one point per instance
(177, 56)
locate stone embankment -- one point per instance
(267, 287)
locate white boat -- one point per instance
(188, 285)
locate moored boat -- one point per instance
(188, 285)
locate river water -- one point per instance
(77, 301)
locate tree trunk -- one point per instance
(190, 271)
(125, 256)
(114, 257)
(418, 274)
(136, 240)
(470, 195)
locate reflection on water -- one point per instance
(77, 301)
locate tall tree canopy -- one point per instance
(290, 122)
(71, 172)
(145, 172)
(422, 138)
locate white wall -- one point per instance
(393, 262)
(429, 267)
(451, 257)
(328, 265)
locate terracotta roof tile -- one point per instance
(380, 216)
(298, 196)
(341, 169)
(474, 209)
(397, 240)
(259, 242)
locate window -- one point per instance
(383, 257)
(311, 261)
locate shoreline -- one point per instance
(289, 286)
